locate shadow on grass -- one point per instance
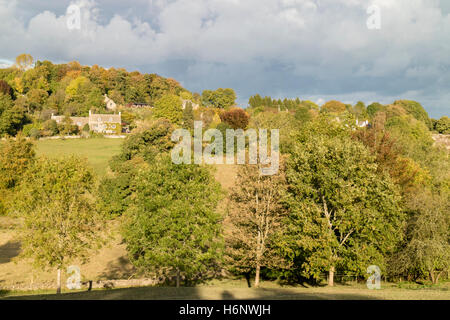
(119, 269)
(197, 293)
(9, 250)
(3, 293)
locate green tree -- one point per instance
(16, 155)
(333, 106)
(221, 98)
(172, 227)
(416, 110)
(12, 120)
(188, 116)
(57, 205)
(373, 108)
(443, 125)
(344, 215)
(426, 251)
(169, 107)
(138, 150)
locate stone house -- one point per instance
(110, 104)
(99, 123)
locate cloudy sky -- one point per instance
(314, 49)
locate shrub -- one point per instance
(237, 118)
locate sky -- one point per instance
(317, 50)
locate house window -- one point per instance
(99, 119)
(110, 119)
(113, 126)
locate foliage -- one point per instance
(443, 125)
(12, 120)
(343, 214)
(333, 106)
(254, 222)
(74, 89)
(138, 150)
(171, 226)
(57, 205)
(24, 61)
(373, 108)
(416, 110)
(426, 251)
(414, 138)
(236, 118)
(5, 88)
(188, 116)
(221, 98)
(169, 107)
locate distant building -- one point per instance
(110, 104)
(99, 123)
(195, 106)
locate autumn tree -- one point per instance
(5, 88)
(344, 215)
(236, 118)
(172, 227)
(254, 221)
(57, 206)
(24, 61)
(333, 106)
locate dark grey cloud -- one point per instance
(314, 49)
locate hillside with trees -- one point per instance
(357, 185)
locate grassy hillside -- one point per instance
(98, 151)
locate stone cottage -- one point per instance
(99, 123)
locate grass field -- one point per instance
(236, 290)
(98, 151)
(111, 262)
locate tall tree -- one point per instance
(426, 251)
(254, 221)
(172, 227)
(169, 107)
(57, 206)
(344, 215)
(188, 116)
(24, 61)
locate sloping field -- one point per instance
(98, 151)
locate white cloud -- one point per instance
(285, 47)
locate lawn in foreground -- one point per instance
(267, 292)
(98, 151)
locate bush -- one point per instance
(334, 106)
(237, 118)
(443, 125)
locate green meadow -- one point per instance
(98, 151)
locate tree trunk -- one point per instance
(178, 278)
(258, 269)
(432, 277)
(58, 281)
(331, 276)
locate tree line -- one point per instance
(344, 198)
